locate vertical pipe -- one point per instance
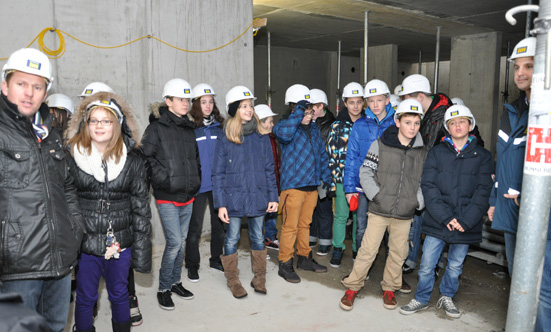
(420, 63)
(507, 65)
(437, 60)
(366, 44)
(536, 197)
(528, 21)
(269, 88)
(338, 95)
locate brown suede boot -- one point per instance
(231, 272)
(258, 263)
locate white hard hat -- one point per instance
(458, 111)
(352, 89)
(110, 105)
(458, 101)
(318, 96)
(178, 88)
(524, 48)
(409, 106)
(296, 93)
(263, 111)
(95, 87)
(375, 88)
(397, 89)
(238, 93)
(59, 100)
(395, 101)
(30, 61)
(415, 83)
(202, 89)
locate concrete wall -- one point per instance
(383, 64)
(137, 71)
(427, 69)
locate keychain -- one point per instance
(113, 247)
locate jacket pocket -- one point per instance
(14, 168)
(12, 242)
(60, 167)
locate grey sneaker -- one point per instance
(447, 303)
(412, 307)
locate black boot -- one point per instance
(309, 264)
(287, 272)
(121, 327)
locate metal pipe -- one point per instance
(518, 9)
(437, 60)
(269, 87)
(528, 22)
(338, 95)
(507, 64)
(366, 44)
(420, 64)
(536, 197)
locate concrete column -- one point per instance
(474, 77)
(383, 64)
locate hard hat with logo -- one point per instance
(111, 105)
(58, 100)
(397, 89)
(415, 83)
(524, 48)
(458, 101)
(95, 87)
(263, 111)
(375, 88)
(395, 101)
(237, 93)
(409, 106)
(458, 111)
(352, 89)
(318, 96)
(178, 88)
(296, 93)
(30, 61)
(202, 89)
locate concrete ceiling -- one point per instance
(410, 24)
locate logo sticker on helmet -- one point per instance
(307, 96)
(106, 102)
(372, 90)
(246, 94)
(34, 64)
(186, 90)
(207, 90)
(88, 91)
(454, 113)
(355, 92)
(522, 50)
(413, 108)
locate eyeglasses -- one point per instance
(104, 123)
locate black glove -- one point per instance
(302, 104)
(331, 194)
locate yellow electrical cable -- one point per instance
(55, 54)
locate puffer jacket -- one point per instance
(206, 137)
(243, 176)
(456, 185)
(124, 201)
(336, 146)
(304, 161)
(41, 222)
(365, 131)
(170, 147)
(391, 175)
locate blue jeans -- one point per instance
(115, 272)
(432, 248)
(270, 226)
(543, 320)
(322, 222)
(510, 244)
(414, 241)
(50, 298)
(175, 221)
(361, 216)
(233, 233)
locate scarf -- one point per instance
(40, 129)
(448, 139)
(92, 163)
(249, 127)
(207, 121)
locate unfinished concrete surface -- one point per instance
(313, 304)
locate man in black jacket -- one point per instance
(39, 212)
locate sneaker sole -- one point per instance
(138, 323)
(293, 281)
(405, 291)
(453, 315)
(185, 298)
(166, 308)
(272, 248)
(317, 271)
(321, 253)
(335, 265)
(345, 307)
(192, 280)
(404, 312)
(390, 307)
(215, 269)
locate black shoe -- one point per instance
(337, 258)
(179, 290)
(354, 255)
(193, 274)
(406, 269)
(135, 315)
(217, 266)
(313, 244)
(309, 264)
(165, 300)
(287, 272)
(323, 250)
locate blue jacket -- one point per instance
(304, 159)
(243, 176)
(206, 140)
(456, 186)
(365, 131)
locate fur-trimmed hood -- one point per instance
(157, 109)
(130, 125)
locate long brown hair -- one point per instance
(197, 114)
(82, 139)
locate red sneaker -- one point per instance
(347, 301)
(389, 301)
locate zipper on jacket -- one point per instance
(2, 245)
(400, 184)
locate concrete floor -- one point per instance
(313, 304)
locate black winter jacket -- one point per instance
(170, 147)
(324, 124)
(41, 222)
(456, 186)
